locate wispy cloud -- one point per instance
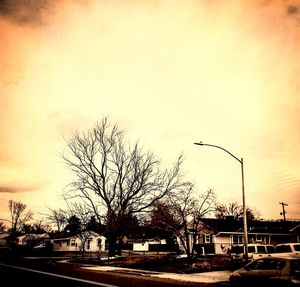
(19, 188)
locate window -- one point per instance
(258, 238)
(283, 248)
(207, 238)
(88, 244)
(251, 249)
(72, 242)
(270, 249)
(261, 249)
(237, 239)
(270, 264)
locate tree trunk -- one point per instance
(112, 245)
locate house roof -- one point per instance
(67, 235)
(4, 235)
(222, 225)
(33, 236)
(255, 226)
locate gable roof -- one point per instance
(4, 235)
(67, 235)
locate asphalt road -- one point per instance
(47, 273)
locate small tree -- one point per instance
(18, 215)
(235, 210)
(58, 218)
(182, 213)
(95, 226)
(74, 225)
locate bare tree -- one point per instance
(182, 204)
(58, 218)
(235, 210)
(18, 215)
(40, 226)
(114, 179)
(231, 209)
(189, 209)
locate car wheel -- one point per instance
(236, 281)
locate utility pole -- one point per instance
(283, 210)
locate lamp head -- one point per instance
(199, 143)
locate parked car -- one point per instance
(254, 251)
(288, 249)
(268, 271)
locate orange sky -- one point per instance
(168, 72)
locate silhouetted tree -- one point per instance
(95, 226)
(58, 218)
(162, 223)
(235, 210)
(74, 225)
(180, 214)
(19, 216)
(189, 209)
(115, 180)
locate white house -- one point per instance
(89, 241)
(219, 235)
(148, 245)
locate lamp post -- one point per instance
(243, 193)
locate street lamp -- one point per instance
(243, 192)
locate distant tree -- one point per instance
(37, 227)
(116, 180)
(188, 210)
(129, 226)
(230, 209)
(235, 210)
(74, 225)
(19, 216)
(40, 226)
(95, 226)
(180, 214)
(58, 218)
(253, 214)
(162, 223)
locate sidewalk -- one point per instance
(203, 277)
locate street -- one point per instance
(49, 274)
